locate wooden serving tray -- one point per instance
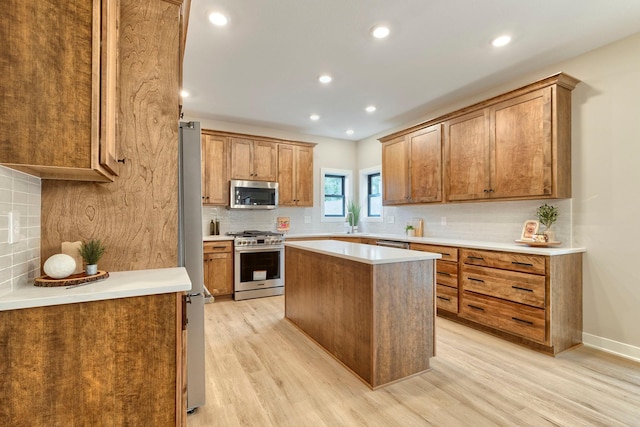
(538, 244)
(74, 279)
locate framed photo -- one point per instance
(283, 225)
(529, 229)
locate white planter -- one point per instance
(91, 269)
(411, 233)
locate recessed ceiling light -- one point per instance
(314, 117)
(380, 31)
(325, 78)
(349, 131)
(218, 19)
(501, 41)
(370, 108)
(184, 93)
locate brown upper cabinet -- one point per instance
(228, 156)
(215, 169)
(412, 167)
(253, 160)
(295, 175)
(511, 147)
(58, 95)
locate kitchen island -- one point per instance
(370, 307)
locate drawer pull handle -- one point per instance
(522, 289)
(443, 274)
(522, 321)
(479, 258)
(218, 247)
(523, 264)
(475, 307)
(444, 298)
(445, 254)
(475, 280)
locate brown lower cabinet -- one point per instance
(101, 363)
(534, 300)
(218, 268)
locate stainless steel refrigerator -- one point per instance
(190, 257)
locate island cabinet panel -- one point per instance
(376, 319)
(113, 362)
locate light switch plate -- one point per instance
(14, 226)
(391, 219)
(307, 219)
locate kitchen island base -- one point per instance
(376, 319)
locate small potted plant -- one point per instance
(410, 230)
(353, 214)
(91, 252)
(547, 215)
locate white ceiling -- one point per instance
(262, 68)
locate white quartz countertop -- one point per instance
(216, 238)
(367, 254)
(120, 284)
(471, 244)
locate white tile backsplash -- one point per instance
(497, 221)
(19, 262)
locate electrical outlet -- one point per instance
(307, 219)
(14, 226)
(443, 220)
(391, 219)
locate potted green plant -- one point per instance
(91, 252)
(547, 215)
(353, 214)
(410, 230)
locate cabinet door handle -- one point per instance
(479, 258)
(522, 289)
(475, 280)
(524, 264)
(443, 274)
(444, 298)
(475, 307)
(522, 321)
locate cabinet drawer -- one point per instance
(447, 298)
(213, 247)
(510, 285)
(447, 273)
(448, 253)
(504, 260)
(518, 319)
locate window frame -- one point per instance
(364, 192)
(348, 193)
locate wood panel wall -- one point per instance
(135, 216)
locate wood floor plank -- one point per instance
(262, 371)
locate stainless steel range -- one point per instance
(258, 264)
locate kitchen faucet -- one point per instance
(350, 223)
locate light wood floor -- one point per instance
(261, 371)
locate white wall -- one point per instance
(19, 262)
(606, 180)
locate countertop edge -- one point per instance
(120, 284)
(471, 244)
(375, 255)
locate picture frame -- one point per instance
(529, 229)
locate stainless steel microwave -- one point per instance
(253, 194)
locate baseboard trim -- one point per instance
(610, 346)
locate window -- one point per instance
(336, 190)
(334, 196)
(374, 196)
(371, 194)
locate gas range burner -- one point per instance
(253, 233)
(254, 238)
